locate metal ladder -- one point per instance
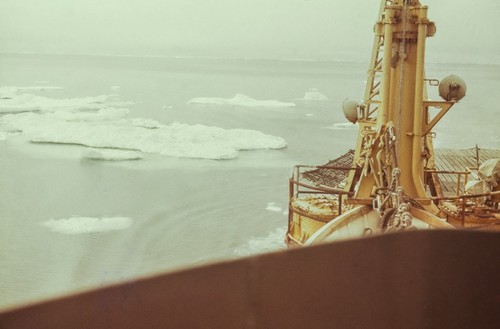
(372, 91)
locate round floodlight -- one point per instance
(452, 88)
(350, 110)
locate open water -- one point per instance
(185, 212)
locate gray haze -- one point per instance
(309, 29)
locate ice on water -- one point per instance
(240, 100)
(272, 206)
(258, 245)
(14, 99)
(314, 95)
(85, 225)
(103, 114)
(95, 122)
(344, 125)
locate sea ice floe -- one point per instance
(93, 122)
(104, 114)
(84, 225)
(314, 95)
(10, 92)
(40, 88)
(12, 100)
(240, 100)
(344, 125)
(176, 139)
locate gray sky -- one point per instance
(316, 29)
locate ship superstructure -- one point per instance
(390, 182)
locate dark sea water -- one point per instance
(185, 212)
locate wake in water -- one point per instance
(259, 245)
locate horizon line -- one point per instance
(237, 58)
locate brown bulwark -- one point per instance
(418, 279)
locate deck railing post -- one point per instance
(466, 179)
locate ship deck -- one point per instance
(448, 162)
(459, 160)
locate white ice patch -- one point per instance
(11, 100)
(145, 123)
(105, 114)
(272, 206)
(3, 136)
(110, 155)
(240, 100)
(9, 92)
(93, 122)
(314, 95)
(39, 88)
(258, 245)
(85, 225)
(344, 125)
(178, 140)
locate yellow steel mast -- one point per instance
(390, 144)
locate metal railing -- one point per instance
(460, 184)
(298, 187)
(464, 198)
